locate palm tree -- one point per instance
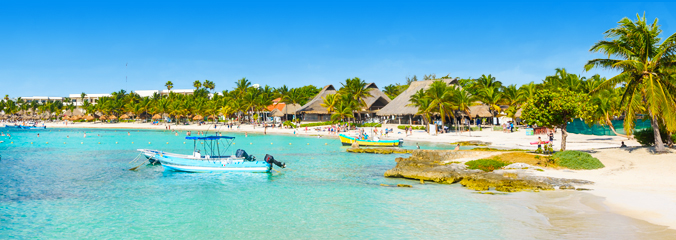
(645, 65)
(607, 103)
(209, 85)
(197, 84)
(441, 99)
(241, 86)
(169, 85)
(355, 88)
(342, 111)
(492, 97)
(330, 102)
(422, 102)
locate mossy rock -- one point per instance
(471, 143)
(378, 150)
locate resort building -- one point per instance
(146, 93)
(41, 99)
(179, 91)
(281, 110)
(313, 110)
(399, 110)
(92, 98)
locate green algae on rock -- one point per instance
(378, 150)
(429, 165)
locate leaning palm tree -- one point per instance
(607, 103)
(356, 88)
(645, 65)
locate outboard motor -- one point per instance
(242, 154)
(401, 141)
(271, 160)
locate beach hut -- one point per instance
(399, 111)
(375, 102)
(313, 110)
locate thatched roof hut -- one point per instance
(400, 104)
(481, 111)
(276, 113)
(314, 106)
(377, 100)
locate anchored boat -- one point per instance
(211, 158)
(347, 141)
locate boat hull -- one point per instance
(347, 141)
(218, 164)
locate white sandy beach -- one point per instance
(634, 182)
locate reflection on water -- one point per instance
(83, 189)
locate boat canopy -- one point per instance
(210, 138)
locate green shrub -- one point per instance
(288, 123)
(372, 125)
(402, 127)
(497, 128)
(576, 160)
(486, 165)
(646, 137)
(475, 128)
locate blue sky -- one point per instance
(58, 48)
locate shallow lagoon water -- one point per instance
(83, 189)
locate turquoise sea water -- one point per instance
(83, 189)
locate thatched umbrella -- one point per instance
(479, 111)
(112, 117)
(212, 117)
(198, 117)
(102, 118)
(89, 118)
(124, 116)
(157, 116)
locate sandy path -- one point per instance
(634, 182)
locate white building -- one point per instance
(42, 99)
(92, 98)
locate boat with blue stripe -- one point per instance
(211, 158)
(26, 127)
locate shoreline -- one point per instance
(633, 183)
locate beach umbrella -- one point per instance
(124, 116)
(197, 117)
(211, 117)
(102, 118)
(112, 117)
(89, 118)
(157, 116)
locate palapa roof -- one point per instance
(157, 116)
(479, 111)
(276, 113)
(315, 105)
(377, 96)
(400, 104)
(124, 116)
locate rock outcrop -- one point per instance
(437, 166)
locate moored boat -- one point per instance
(212, 159)
(347, 141)
(32, 127)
